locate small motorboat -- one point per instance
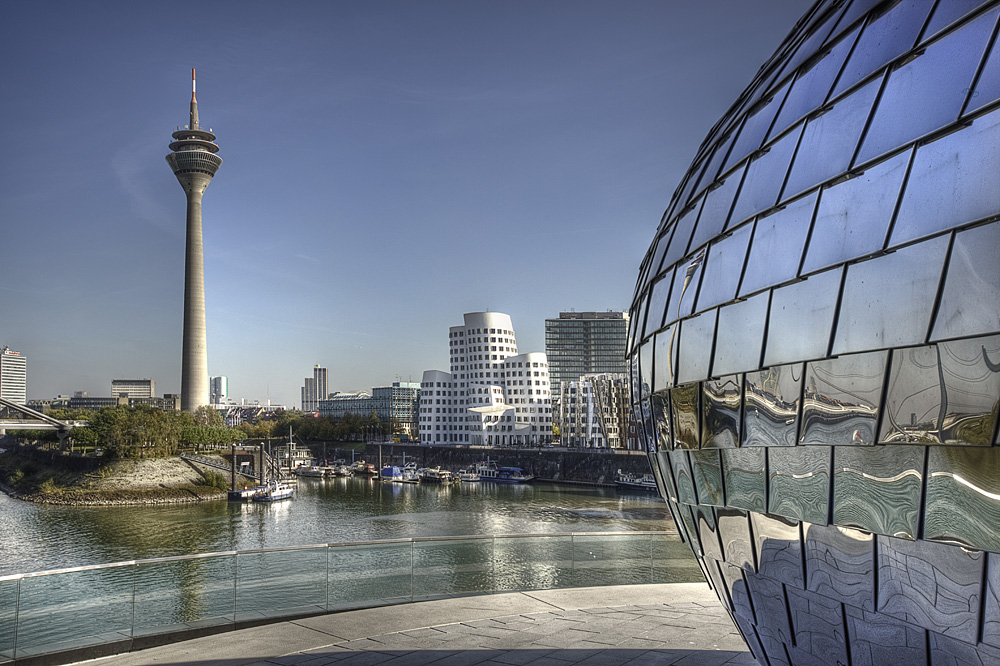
(274, 492)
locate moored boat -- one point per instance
(489, 471)
(435, 475)
(643, 482)
(273, 492)
(468, 476)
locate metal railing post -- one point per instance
(236, 564)
(327, 576)
(135, 574)
(17, 613)
(493, 560)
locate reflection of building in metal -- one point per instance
(593, 412)
(493, 396)
(815, 342)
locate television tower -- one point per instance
(194, 162)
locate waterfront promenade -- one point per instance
(679, 624)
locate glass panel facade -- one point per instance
(777, 245)
(973, 280)
(841, 400)
(740, 335)
(723, 268)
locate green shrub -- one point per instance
(215, 480)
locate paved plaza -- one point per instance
(660, 625)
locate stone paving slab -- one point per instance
(662, 625)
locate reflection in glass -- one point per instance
(707, 473)
(798, 484)
(953, 181)
(944, 393)
(755, 127)
(973, 279)
(801, 318)
(721, 400)
(770, 407)
(963, 496)
(988, 86)
(829, 140)
(684, 403)
(940, 78)
(740, 335)
(686, 278)
(777, 245)
(878, 488)
(697, 336)
(657, 305)
(887, 301)
(715, 212)
(841, 399)
(746, 481)
(854, 215)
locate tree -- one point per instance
(207, 416)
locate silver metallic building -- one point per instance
(194, 163)
(815, 341)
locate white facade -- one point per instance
(493, 396)
(133, 388)
(13, 376)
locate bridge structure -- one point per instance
(18, 417)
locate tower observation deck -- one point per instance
(194, 162)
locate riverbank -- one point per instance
(121, 482)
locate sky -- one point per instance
(387, 167)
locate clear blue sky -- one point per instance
(388, 166)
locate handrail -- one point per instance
(86, 611)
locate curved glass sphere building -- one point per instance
(815, 341)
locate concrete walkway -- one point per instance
(659, 625)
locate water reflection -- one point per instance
(770, 410)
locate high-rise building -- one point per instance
(584, 343)
(314, 389)
(194, 163)
(218, 389)
(493, 395)
(815, 344)
(133, 388)
(13, 376)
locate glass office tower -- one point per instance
(815, 341)
(583, 343)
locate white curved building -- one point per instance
(493, 396)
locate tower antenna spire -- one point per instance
(193, 86)
(194, 105)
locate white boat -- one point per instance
(310, 471)
(465, 476)
(274, 492)
(644, 482)
(244, 494)
(488, 471)
(435, 475)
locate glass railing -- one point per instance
(109, 608)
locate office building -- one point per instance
(493, 395)
(218, 388)
(584, 343)
(397, 403)
(194, 163)
(314, 389)
(13, 376)
(815, 342)
(133, 388)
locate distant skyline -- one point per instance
(388, 167)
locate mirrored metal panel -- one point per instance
(734, 531)
(829, 140)
(879, 640)
(932, 585)
(779, 548)
(987, 88)
(769, 606)
(721, 400)
(745, 478)
(706, 470)
(740, 335)
(801, 318)
(777, 245)
(739, 592)
(665, 361)
(659, 404)
(853, 216)
(770, 406)
(840, 562)
(973, 279)
(682, 475)
(684, 402)
(963, 496)
(724, 268)
(878, 488)
(764, 178)
(841, 399)
(819, 627)
(755, 127)
(695, 355)
(715, 211)
(645, 369)
(687, 277)
(657, 304)
(991, 609)
(708, 531)
(798, 484)
(944, 393)
(683, 228)
(953, 181)
(664, 468)
(940, 77)
(887, 301)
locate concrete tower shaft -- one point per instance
(194, 163)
